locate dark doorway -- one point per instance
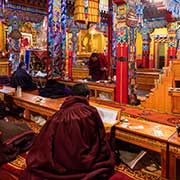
(161, 55)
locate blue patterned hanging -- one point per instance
(139, 12)
(174, 7)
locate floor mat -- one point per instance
(137, 174)
(155, 116)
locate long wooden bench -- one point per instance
(96, 88)
(146, 80)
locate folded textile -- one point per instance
(53, 89)
(15, 139)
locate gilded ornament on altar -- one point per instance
(91, 41)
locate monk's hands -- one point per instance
(104, 69)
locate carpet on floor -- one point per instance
(139, 112)
(151, 115)
(16, 167)
(122, 171)
(141, 174)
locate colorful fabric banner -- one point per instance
(57, 38)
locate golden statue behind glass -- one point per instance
(90, 41)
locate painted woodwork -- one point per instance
(146, 138)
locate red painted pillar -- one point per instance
(70, 53)
(146, 46)
(122, 73)
(171, 54)
(121, 31)
(110, 30)
(145, 55)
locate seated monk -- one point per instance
(21, 78)
(72, 144)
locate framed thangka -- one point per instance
(26, 41)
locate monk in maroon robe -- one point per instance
(72, 144)
(21, 78)
(98, 67)
(104, 66)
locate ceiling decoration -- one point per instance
(174, 7)
(23, 13)
(37, 4)
(153, 9)
(23, 10)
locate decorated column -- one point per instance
(121, 31)
(178, 42)
(56, 38)
(131, 67)
(72, 46)
(171, 52)
(110, 35)
(133, 21)
(146, 46)
(14, 36)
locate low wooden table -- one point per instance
(4, 67)
(95, 87)
(145, 137)
(174, 154)
(38, 104)
(45, 106)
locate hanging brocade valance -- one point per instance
(86, 11)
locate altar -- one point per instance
(4, 67)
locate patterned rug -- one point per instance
(155, 116)
(123, 172)
(17, 166)
(139, 112)
(137, 174)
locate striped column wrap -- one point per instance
(131, 66)
(50, 38)
(57, 37)
(63, 39)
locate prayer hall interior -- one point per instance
(128, 54)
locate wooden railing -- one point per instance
(160, 99)
(145, 79)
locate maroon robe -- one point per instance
(71, 145)
(103, 64)
(96, 68)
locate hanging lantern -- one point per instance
(86, 11)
